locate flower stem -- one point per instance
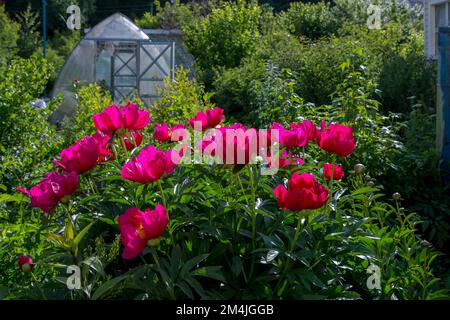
(242, 187)
(124, 147)
(155, 257)
(292, 247)
(253, 216)
(162, 194)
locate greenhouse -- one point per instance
(120, 56)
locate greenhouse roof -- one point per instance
(116, 26)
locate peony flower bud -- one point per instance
(25, 263)
(153, 242)
(359, 168)
(396, 196)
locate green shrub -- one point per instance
(224, 37)
(9, 34)
(418, 177)
(397, 11)
(232, 88)
(26, 138)
(180, 100)
(29, 38)
(395, 62)
(90, 99)
(171, 16)
(312, 20)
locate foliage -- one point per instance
(312, 20)
(29, 38)
(227, 239)
(224, 37)
(233, 85)
(90, 99)
(395, 62)
(9, 34)
(397, 11)
(26, 137)
(179, 100)
(419, 178)
(172, 16)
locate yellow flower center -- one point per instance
(141, 232)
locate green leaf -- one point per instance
(81, 235)
(185, 288)
(364, 190)
(11, 198)
(213, 272)
(192, 263)
(108, 286)
(96, 264)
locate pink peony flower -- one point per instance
(109, 120)
(161, 133)
(113, 118)
(148, 166)
(51, 190)
(80, 157)
(208, 119)
(336, 139)
(134, 141)
(104, 146)
(304, 193)
(138, 227)
(134, 118)
(336, 172)
(25, 263)
(308, 126)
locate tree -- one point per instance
(9, 34)
(29, 34)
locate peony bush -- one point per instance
(209, 209)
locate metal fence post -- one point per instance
(44, 28)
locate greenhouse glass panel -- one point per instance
(120, 56)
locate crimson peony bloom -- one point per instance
(25, 263)
(80, 157)
(233, 145)
(336, 172)
(208, 119)
(148, 166)
(138, 227)
(136, 138)
(336, 139)
(293, 138)
(113, 118)
(109, 120)
(285, 159)
(104, 146)
(51, 190)
(304, 193)
(308, 126)
(161, 133)
(134, 118)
